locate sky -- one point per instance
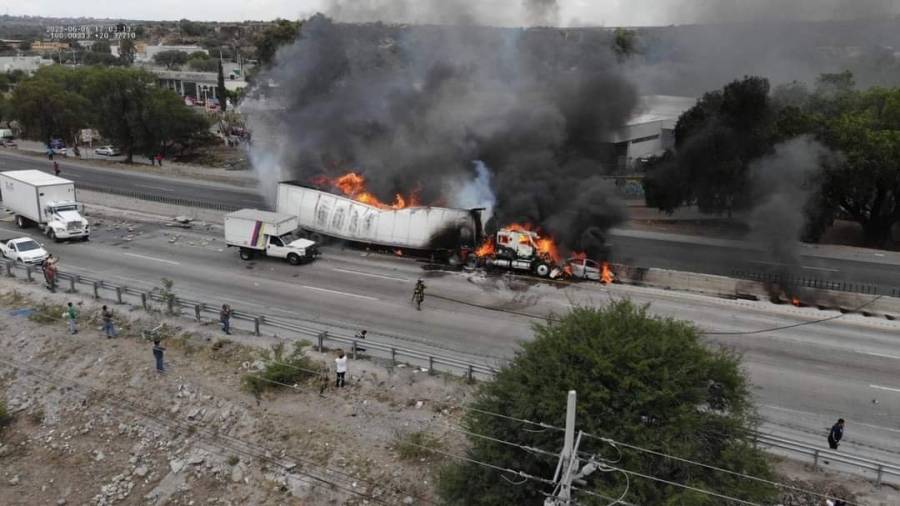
(501, 12)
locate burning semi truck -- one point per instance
(454, 236)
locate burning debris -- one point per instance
(432, 115)
(353, 185)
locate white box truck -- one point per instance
(45, 200)
(263, 233)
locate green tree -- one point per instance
(643, 380)
(171, 58)
(865, 185)
(166, 123)
(45, 109)
(127, 51)
(120, 97)
(715, 141)
(101, 46)
(221, 92)
(624, 43)
(282, 32)
(203, 64)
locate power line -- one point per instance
(615, 443)
(515, 472)
(791, 326)
(711, 467)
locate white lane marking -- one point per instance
(863, 424)
(819, 269)
(339, 293)
(890, 389)
(809, 267)
(882, 355)
(372, 274)
(155, 187)
(152, 258)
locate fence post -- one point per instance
(353, 350)
(144, 300)
(118, 294)
(430, 365)
(878, 478)
(72, 284)
(9, 273)
(470, 374)
(170, 303)
(256, 325)
(28, 273)
(96, 290)
(816, 459)
(321, 337)
(197, 311)
(393, 355)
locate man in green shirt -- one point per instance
(71, 316)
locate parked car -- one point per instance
(8, 143)
(107, 151)
(23, 250)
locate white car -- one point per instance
(24, 250)
(107, 151)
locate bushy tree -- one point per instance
(171, 59)
(127, 51)
(716, 141)
(640, 379)
(167, 123)
(120, 97)
(45, 109)
(267, 43)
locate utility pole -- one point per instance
(568, 459)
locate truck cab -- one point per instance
(291, 249)
(64, 221)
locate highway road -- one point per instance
(633, 247)
(803, 378)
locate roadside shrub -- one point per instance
(417, 446)
(280, 370)
(47, 313)
(5, 417)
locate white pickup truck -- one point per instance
(267, 234)
(23, 250)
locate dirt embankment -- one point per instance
(94, 423)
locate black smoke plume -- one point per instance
(414, 107)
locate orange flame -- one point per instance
(353, 185)
(795, 301)
(544, 245)
(486, 249)
(606, 274)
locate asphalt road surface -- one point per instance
(645, 249)
(803, 378)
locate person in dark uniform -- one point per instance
(837, 432)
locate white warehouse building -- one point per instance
(650, 131)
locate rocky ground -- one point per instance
(93, 423)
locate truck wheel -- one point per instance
(246, 254)
(21, 221)
(293, 259)
(52, 235)
(542, 270)
(86, 238)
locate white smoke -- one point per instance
(476, 193)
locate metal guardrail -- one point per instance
(816, 283)
(471, 371)
(880, 469)
(176, 305)
(203, 204)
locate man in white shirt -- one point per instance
(340, 365)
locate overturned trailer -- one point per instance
(437, 231)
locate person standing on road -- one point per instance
(837, 432)
(49, 152)
(225, 318)
(55, 167)
(108, 328)
(340, 367)
(72, 316)
(159, 159)
(419, 294)
(158, 355)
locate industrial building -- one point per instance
(649, 132)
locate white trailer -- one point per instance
(258, 232)
(413, 228)
(45, 200)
